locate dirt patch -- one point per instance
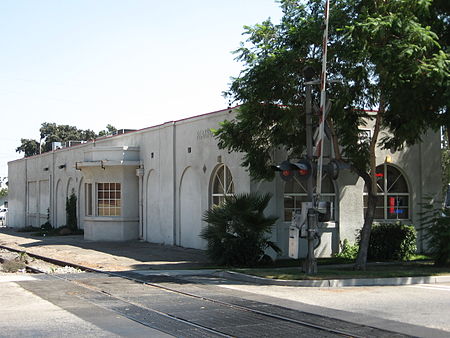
(13, 262)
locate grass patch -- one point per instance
(285, 263)
(409, 269)
(420, 257)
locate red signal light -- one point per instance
(303, 172)
(286, 173)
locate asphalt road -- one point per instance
(23, 313)
(419, 310)
(100, 306)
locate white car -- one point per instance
(3, 212)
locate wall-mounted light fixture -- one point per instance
(46, 169)
(189, 150)
(62, 166)
(76, 166)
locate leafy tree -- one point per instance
(110, 130)
(237, 230)
(3, 192)
(384, 56)
(29, 147)
(52, 132)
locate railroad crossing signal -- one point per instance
(302, 169)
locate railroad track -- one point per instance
(147, 307)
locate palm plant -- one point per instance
(237, 231)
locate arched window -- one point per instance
(295, 193)
(392, 194)
(222, 185)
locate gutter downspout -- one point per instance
(140, 174)
(26, 193)
(174, 183)
(52, 193)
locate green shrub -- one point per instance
(347, 250)
(71, 211)
(237, 230)
(436, 226)
(392, 241)
(46, 226)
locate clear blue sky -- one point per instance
(129, 63)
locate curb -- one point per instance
(334, 283)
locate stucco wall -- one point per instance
(176, 162)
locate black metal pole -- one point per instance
(310, 266)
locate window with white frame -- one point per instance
(392, 194)
(295, 192)
(222, 185)
(108, 199)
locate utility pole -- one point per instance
(304, 168)
(310, 265)
(323, 99)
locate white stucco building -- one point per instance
(155, 184)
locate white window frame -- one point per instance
(385, 194)
(98, 207)
(227, 185)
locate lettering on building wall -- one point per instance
(204, 134)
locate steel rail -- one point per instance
(99, 290)
(187, 294)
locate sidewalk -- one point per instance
(149, 258)
(105, 256)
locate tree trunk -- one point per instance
(371, 183)
(361, 259)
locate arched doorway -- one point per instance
(60, 205)
(153, 232)
(190, 220)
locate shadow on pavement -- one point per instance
(133, 254)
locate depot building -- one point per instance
(155, 183)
